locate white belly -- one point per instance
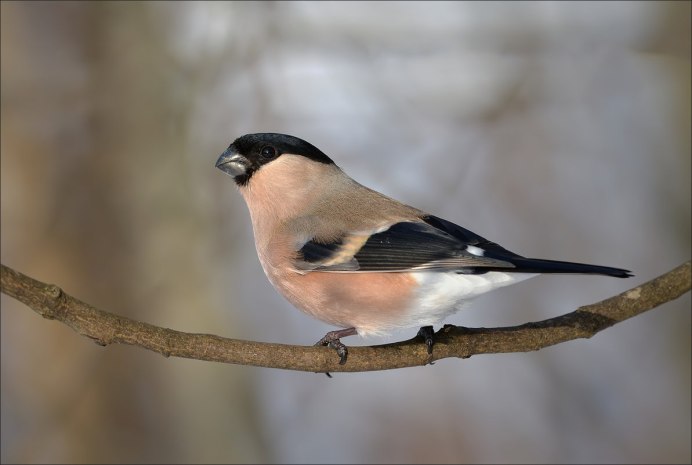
(443, 294)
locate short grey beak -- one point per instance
(232, 163)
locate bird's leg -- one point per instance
(427, 333)
(332, 339)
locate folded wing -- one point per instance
(405, 246)
(431, 244)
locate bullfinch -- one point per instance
(357, 259)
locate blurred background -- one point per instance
(560, 130)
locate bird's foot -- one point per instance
(332, 339)
(428, 333)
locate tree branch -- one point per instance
(451, 341)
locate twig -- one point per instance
(451, 341)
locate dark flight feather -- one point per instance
(432, 245)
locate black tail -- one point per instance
(536, 265)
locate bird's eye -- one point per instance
(268, 152)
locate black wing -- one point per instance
(434, 244)
(404, 246)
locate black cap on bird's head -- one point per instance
(248, 153)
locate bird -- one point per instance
(357, 259)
